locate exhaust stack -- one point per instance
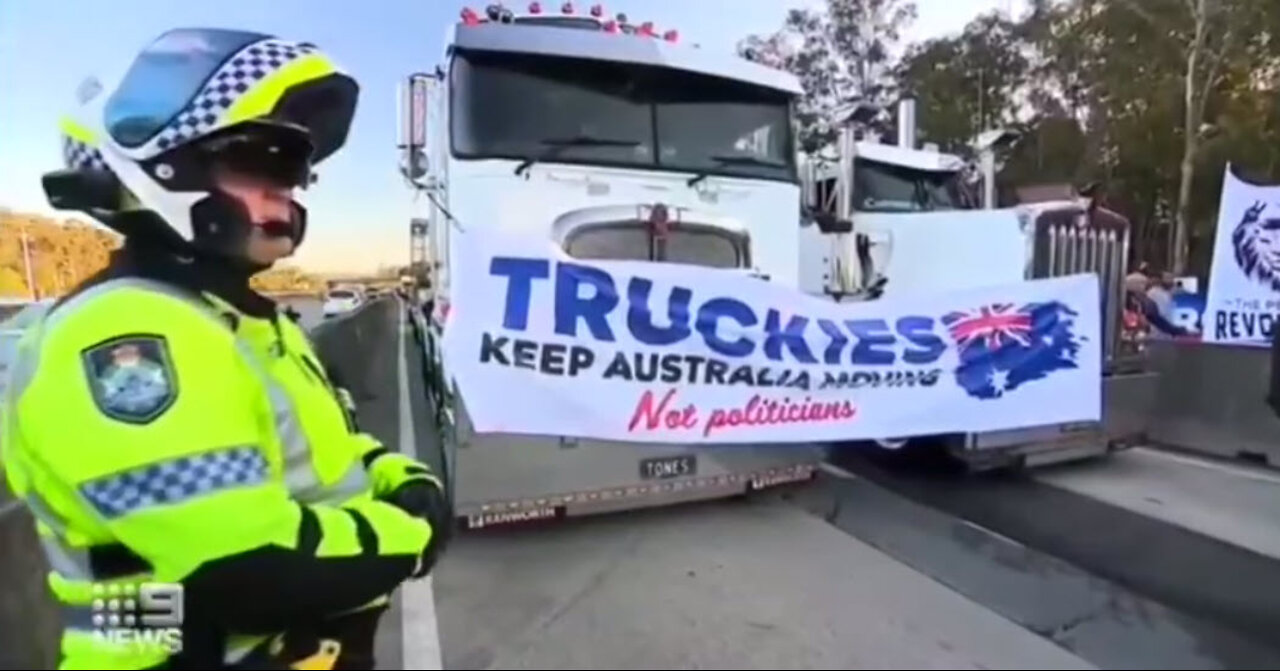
(907, 123)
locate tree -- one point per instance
(1050, 151)
(968, 83)
(12, 283)
(840, 55)
(1212, 38)
(1152, 82)
(61, 254)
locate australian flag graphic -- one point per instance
(1003, 346)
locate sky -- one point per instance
(360, 209)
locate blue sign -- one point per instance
(1188, 311)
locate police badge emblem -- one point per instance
(132, 378)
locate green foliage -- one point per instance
(839, 54)
(1101, 90)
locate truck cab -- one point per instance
(613, 140)
(572, 116)
(885, 220)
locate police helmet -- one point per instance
(141, 156)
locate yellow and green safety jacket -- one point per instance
(160, 434)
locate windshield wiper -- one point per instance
(736, 159)
(555, 145)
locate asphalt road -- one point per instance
(1116, 587)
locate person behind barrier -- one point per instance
(1137, 301)
(164, 423)
(1160, 290)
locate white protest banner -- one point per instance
(1244, 280)
(539, 343)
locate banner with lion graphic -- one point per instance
(1244, 283)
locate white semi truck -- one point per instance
(889, 219)
(617, 142)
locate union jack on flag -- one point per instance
(994, 325)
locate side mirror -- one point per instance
(412, 143)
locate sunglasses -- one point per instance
(279, 163)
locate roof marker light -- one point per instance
(597, 11)
(671, 36)
(494, 12)
(646, 29)
(610, 26)
(566, 8)
(469, 16)
(535, 8)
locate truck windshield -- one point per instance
(881, 187)
(541, 108)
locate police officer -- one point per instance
(164, 423)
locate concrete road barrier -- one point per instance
(352, 345)
(1212, 400)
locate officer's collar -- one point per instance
(144, 257)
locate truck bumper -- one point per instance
(509, 478)
(1127, 402)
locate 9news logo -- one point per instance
(147, 616)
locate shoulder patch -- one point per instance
(132, 377)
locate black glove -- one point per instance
(425, 499)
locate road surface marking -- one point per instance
(1229, 469)
(419, 629)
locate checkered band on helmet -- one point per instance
(81, 156)
(226, 86)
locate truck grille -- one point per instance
(1071, 240)
(686, 243)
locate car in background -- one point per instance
(15, 318)
(341, 301)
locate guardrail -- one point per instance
(29, 624)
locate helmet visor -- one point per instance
(165, 77)
(279, 155)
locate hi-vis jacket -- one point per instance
(158, 434)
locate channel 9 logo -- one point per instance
(148, 615)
